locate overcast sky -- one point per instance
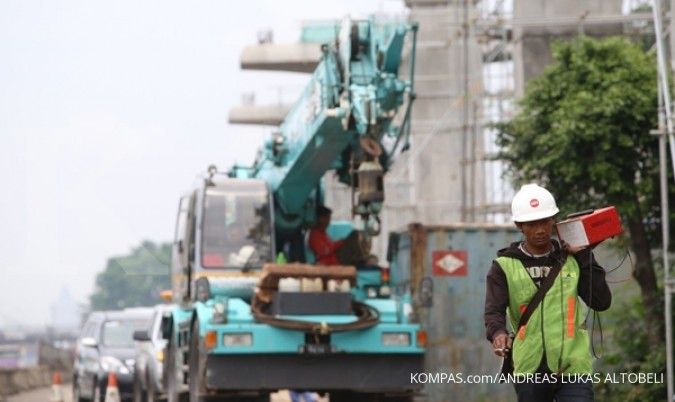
(108, 110)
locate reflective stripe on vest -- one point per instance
(554, 324)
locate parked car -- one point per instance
(150, 349)
(106, 345)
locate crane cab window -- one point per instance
(236, 226)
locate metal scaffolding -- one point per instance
(666, 136)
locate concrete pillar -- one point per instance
(539, 22)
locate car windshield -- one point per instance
(120, 333)
(236, 226)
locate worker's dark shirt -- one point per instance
(323, 247)
(595, 293)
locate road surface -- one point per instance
(45, 394)
(41, 395)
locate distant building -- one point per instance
(20, 354)
(65, 314)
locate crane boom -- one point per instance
(347, 119)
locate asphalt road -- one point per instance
(45, 394)
(41, 395)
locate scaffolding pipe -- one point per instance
(665, 114)
(665, 239)
(465, 111)
(663, 78)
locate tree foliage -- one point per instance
(134, 279)
(583, 131)
(630, 352)
(583, 127)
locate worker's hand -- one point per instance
(570, 249)
(501, 343)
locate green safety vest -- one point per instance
(554, 325)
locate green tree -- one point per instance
(630, 352)
(134, 279)
(582, 130)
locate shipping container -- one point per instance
(453, 260)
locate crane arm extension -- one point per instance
(353, 96)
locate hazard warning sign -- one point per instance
(449, 263)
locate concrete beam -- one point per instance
(266, 115)
(297, 57)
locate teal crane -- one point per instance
(231, 336)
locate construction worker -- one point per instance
(553, 342)
(323, 247)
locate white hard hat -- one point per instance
(531, 203)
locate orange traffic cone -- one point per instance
(57, 388)
(112, 393)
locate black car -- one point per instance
(106, 345)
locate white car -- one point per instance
(149, 358)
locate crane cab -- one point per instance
(223, 227)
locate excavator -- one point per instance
(253, 314)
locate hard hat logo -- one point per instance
(533, 202)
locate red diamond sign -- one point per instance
(449, 263)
